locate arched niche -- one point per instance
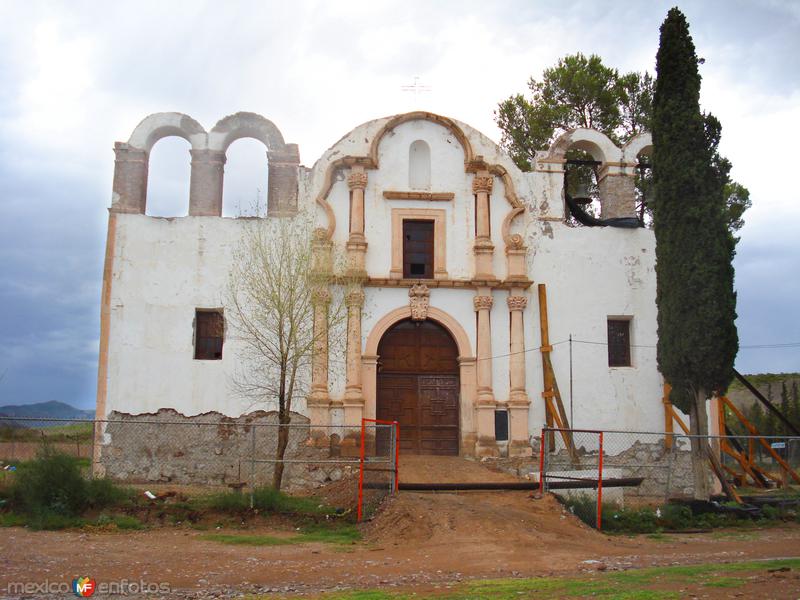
(283, 159)
(246, 179)
(168, 177)
(419, 165)
(133, 158)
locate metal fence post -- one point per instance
(672, 449)
(252, 465)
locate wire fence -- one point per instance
(626, 468)
(162, 454)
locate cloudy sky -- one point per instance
(77, 76)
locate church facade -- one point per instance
(470, 285)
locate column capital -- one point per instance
(482, 302)
(482, 184)
(357, 180)
(517, 302)
(320, 297)
(354, 298)
(206, 155)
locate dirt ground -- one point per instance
(419, 541)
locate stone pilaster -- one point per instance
(205, 189)
(483, 248)
(321, 254)
(518, 401)
(318, 400)
(357, 243)
(353, 395)
(129, 190)
(515, 257)
(485, 402)
(617, 192)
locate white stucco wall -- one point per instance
(165, 268)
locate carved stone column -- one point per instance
(205, 189)
(484, 248)
(485, 402)
(357, 243)
(318, 400)
(129, 190)
(353, 395)
(518, 401)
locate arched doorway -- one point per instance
(418, 386)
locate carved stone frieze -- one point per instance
(419, 300)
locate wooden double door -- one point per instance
(418, 386)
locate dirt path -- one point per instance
(418, 540)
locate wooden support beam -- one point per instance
(554, 411)
(753, 431)
(668, 418)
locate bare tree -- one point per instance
(270, 292)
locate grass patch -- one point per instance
(266, 500)
(628, 585)
(725, 582)
(340, 535)
(247, 540)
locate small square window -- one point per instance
(619, 342)
(209, 332)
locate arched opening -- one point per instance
(244, 193)
(169, 174)
(419, 166)
(418, 386)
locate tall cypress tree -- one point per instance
(697, 338)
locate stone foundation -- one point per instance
(214, 450)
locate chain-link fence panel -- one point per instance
(378, 475)
(572, 467)
(167, 455)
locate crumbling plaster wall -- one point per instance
(210, 449)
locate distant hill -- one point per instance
(43, 410)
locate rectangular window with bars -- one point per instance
(418, 249)
(209, 332)
(619, 342)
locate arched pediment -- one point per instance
(160, 125)
(592, 141)
(638, 144)
(397, 120)
(245, 125)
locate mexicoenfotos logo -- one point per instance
(84, 587)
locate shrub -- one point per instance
(54, 485)
(51, 483)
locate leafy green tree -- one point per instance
(697, 338)
(581, 91)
